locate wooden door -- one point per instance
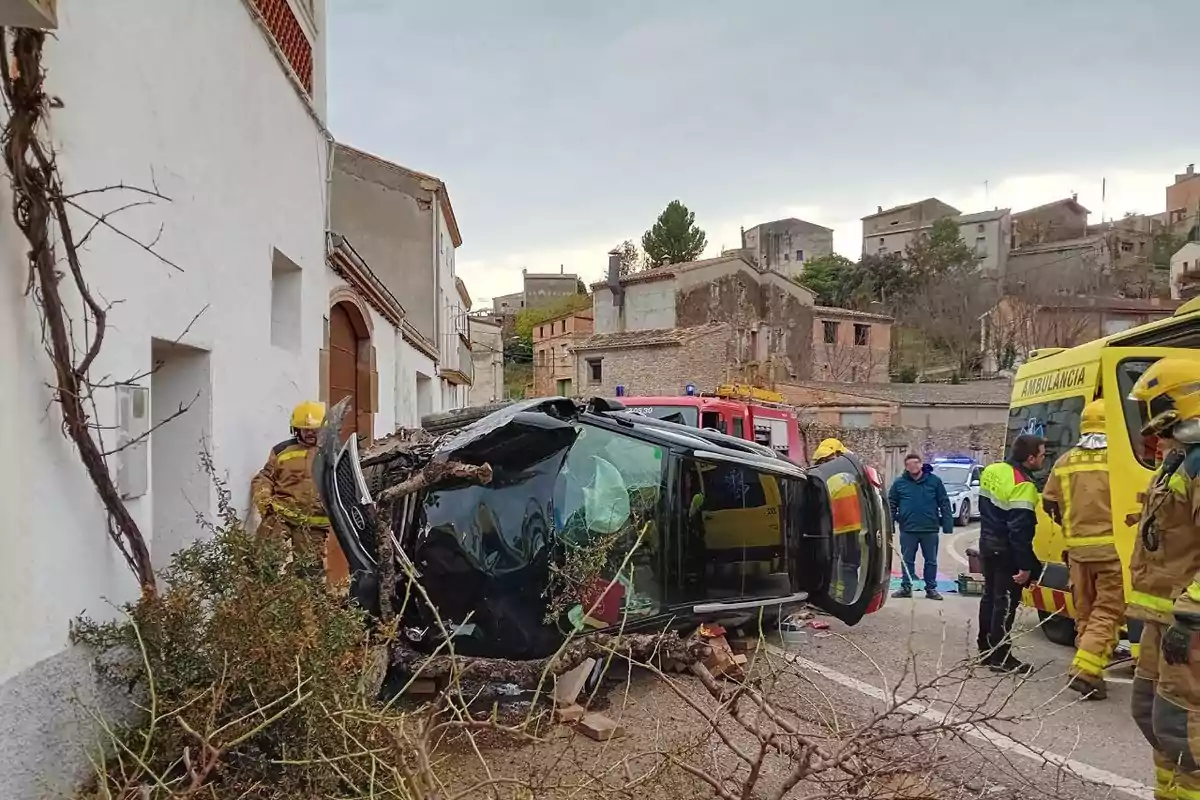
(343, 365)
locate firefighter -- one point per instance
(1164, 576)
(284, 491)
(827, 449)
(847, 522)
(1076, 497)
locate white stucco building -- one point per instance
(220, 106)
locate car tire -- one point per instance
(964, 515)
(445, 421)
(1057, 628)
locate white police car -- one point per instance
(960, 474)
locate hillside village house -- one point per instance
(987, 233)
(784, 245)
(554, 359)
(238, 331)
(851, 345)
(403, 226)
(704, 322)
(1185, 271)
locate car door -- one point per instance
(845, 547)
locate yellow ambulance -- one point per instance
(1049, 393)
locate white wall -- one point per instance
(188, 97)
(409, 362)
(649, 305)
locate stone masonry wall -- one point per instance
(656, 370)
(885, 447)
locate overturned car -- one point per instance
(592, 518)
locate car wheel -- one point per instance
(1057, 628)
(964, 514)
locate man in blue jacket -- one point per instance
(921, 507)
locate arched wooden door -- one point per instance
(349, 346)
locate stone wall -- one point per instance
(657, 369)
(885, 447)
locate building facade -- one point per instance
(891, 230)
(987, 233)
(234, 331)
(554, 357)
(851, 345)
(770, 316)
(1059, 221)
(784, 245)
(657, 361)
(1185, 272)
(403, 225)
(487, 353)
(1183, 203)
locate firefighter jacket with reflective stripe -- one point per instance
(285, 486)
(1162, 580)
(1008, 500)
(1077, 492)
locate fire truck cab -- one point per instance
(739, 410)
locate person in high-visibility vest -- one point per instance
(285, 494)
(1076, 497)
(846, 512)
(1008, 501)
(1164, 574)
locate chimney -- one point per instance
(561, 269)
(743, 237)
(1191, 170)
(878, 209)
(614, 278)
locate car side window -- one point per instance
(975, 476)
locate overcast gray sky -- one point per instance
(562, 127)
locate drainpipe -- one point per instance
(434, 207)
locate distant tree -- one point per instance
(631, 257)
(939, 251)
(674, 238)
(884, 279)
(829, 279)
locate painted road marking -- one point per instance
(995, 738)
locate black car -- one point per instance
(599, 519)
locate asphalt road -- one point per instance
(922, 637)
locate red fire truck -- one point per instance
(757, 415)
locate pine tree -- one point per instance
(675, 238)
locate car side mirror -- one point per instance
(975, 482)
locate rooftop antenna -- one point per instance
(1103, 197)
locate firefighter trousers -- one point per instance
(1166, 707)
(322, 554)
(1099, 592)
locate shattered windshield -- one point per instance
(681, 415)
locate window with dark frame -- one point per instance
(830, 331)
(595, 373)
(862, 335)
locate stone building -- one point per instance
(657, 361)
(784, 245)
(1183, 202)
(487, 354)
(851, 345)
(769, 317)
(554, 369)
(987, 233)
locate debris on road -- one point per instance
(600, 728)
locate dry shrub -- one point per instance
(249, 674)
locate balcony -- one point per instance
(460, 368)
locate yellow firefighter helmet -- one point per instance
(1168, 392)
(1092, 419)
(308, 416)
(829, 448)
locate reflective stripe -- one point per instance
(288, 455)
(1090, 663)
(1161, 604)
(292, 515)
(1093, 467)
(1193, 592)
(1088, 541)
(1178, 484)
